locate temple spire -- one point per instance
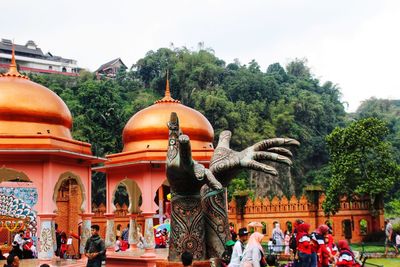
(167, 96)
(167, 91)
(13, 70)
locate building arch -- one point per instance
(63, 178)
(134, 195)
(363, 223)
(12, 175)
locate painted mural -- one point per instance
(16, 207)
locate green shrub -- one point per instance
(375, 237)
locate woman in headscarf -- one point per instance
(277, 236)
(303, 245)
(253, 253)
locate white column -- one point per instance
(133, 238)
(110, 233)
(46, 236)
(149, 242)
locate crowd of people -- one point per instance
(306, 248)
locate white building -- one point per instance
(30, 58)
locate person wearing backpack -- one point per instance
(303, 244)
(293, 242)
(318, 249)
(346, 256)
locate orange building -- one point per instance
(353, 221)
(40, 164)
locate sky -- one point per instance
(353, 43)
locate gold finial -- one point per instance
(13, 71)
(167, 91)
(167, 97)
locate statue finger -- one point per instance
(281, 150)
(212, 182)
(265, 144)
(272, 156)
(185, 150)
(257, 166)
(224, 139)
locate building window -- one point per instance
(64, 69)
(363, 226)
(50, 67)
(264, 228)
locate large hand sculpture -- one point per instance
(199, 222)
(225, 163)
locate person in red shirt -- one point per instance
(303, 245)
(346, 257)
(319, 251)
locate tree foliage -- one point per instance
(252, 103)
(361, 162)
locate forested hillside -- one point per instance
(253, 103)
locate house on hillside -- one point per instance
(31, 58)
(110, 69)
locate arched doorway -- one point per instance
(347, 229)
(70, 200)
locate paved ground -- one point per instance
(160, 254)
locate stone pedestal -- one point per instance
(133, 238)
(46, 236)
(149, 242)
(85, 230)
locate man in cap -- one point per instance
(238, 248)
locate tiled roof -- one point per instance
(21, 49)
(109, 64)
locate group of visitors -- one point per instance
(309, 249)
(161, 238)
(122, 238)
(24, 245)
(317, 249)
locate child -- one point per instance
(346, 256)
(118, 243)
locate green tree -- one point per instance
(361, 163)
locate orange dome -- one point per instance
(28, 108)
(147, 129)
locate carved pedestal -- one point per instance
(216, 221)
(187, 228)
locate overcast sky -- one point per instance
(354, 44)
